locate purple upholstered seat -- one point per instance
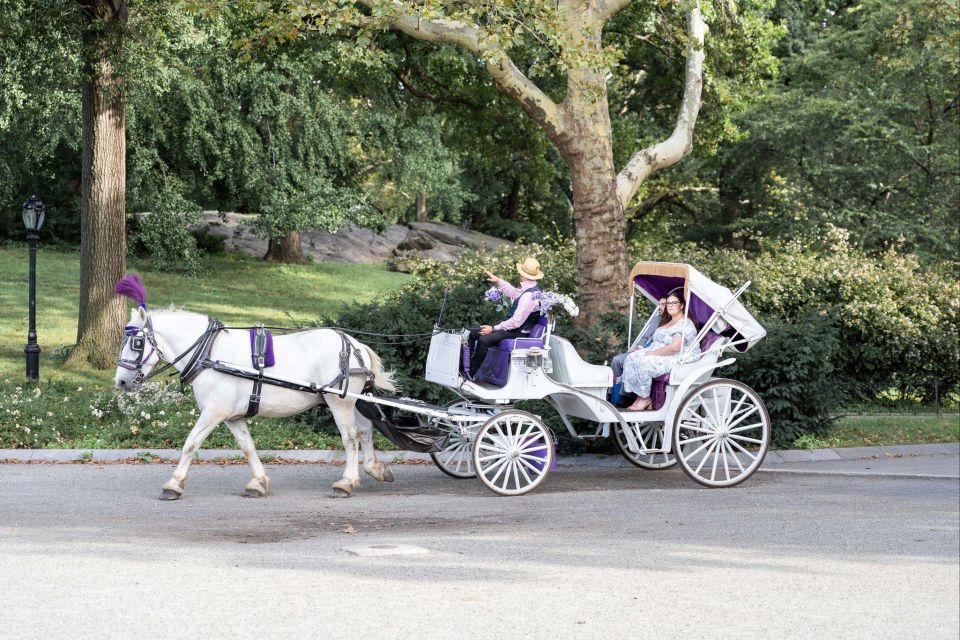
(658, 391)
(495, 368)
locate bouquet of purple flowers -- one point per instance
(495, 296)
(552, 302)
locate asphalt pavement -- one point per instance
(861, 548)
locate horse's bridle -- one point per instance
(138, 343)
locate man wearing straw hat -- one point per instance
(523, 313)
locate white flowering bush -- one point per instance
(55, 414)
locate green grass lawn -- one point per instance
(905, 428)
(78, 408)
(235, 289)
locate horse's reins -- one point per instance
(138, 346)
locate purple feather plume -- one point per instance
(132, 287)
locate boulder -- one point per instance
(356, 245)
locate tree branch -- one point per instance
(500, 67)
(605, 9)
(670, 151)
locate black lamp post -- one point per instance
(33, 212)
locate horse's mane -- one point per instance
(132, 287)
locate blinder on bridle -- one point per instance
(137, 338)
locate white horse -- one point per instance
(311, 355)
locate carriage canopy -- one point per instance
(705, 297)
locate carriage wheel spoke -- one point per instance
(749, 426)
(752, 457)
(696, 451)
(744, 416)
(736, 458)
(502, 466)
(705, 456)
(723, 452)
(488, 447)
(746, 439)
(520, 464)
(716, 458)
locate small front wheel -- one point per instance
(456, 459)
(721, 433)
(650, 433)
(513, 453)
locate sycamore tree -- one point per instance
(553, 59)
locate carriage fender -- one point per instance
(688, 382)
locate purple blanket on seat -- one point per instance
(268, 358)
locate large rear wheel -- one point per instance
(721, 433)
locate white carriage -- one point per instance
(717, 429)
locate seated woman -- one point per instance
(675, 335)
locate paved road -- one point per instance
(86, 551)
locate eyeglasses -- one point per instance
(674, 304)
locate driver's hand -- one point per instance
(486, 330)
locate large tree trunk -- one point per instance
(513, 200)
(598, 215)
(422, 209)
(286, 249)
(102, 198)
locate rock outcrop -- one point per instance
(354, 245)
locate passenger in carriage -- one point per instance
(646, 338)
(523, 313)
(673, 337)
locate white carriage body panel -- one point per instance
(569, 368)
(443, 359)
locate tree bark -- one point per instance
(422, 209)
(103, 187)
(580, 129)
(286, 249)
(513, 200)
(598, 214)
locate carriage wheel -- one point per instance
(652, 434)
(721, 433)
(456, 459)
(513, 453)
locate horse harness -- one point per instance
(200, 360)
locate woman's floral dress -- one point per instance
(640, 368)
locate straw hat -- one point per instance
(530, 269)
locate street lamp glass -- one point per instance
(33, 212)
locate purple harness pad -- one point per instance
(268, 358)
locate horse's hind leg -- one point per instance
(206, 423)
(343, 415)
(379, 470)
(260, 482)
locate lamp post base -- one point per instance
(33, 360)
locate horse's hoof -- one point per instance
(167, 494)
(253, 493)
(387, 474)
(337, 492)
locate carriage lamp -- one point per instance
(33, 212)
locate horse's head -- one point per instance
(139, 353)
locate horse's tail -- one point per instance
(382, 379)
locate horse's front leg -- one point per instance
(206, 423)
(379, 470)
(343, 415)
(260, 483)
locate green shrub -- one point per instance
(165, 236)
(899, 324)
(792, 371)
(208, 243)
